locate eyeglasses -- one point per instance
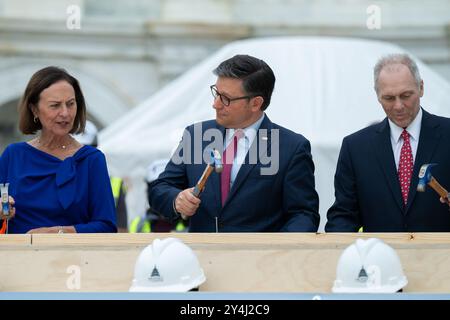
(224, 99)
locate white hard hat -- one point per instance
(89, 136)
(369, 266)
(155, 168)
(167, 265)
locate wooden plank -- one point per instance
(232, 262)
(254, 239)
(13, 240)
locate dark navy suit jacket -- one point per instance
(286, 201)
(366, 184)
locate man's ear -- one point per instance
(421, 89)
(257, 102)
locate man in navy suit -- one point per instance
(377, 171)
(267, 184)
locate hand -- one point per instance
(445, 200)
(44, 230)
(12, 209)
(186, 203)
(56, 229)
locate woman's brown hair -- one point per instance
(40, 81)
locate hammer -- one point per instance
(425, 178)
(215, 164)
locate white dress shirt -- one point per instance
(243, 146)
(397, 140)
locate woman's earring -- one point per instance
(35, 119)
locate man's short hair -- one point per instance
(257, 77)
(398, 58)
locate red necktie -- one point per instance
(227, 159)
(405, 166)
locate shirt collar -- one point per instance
(413, 128)
(249, 132)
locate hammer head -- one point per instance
(424, 176)
(216, 160)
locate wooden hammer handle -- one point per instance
(202, 181)
(438, 188)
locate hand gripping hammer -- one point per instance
(215, 164)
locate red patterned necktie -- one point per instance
(227, 159)
(405, 166)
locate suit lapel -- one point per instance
(428, 141)
(246, 167)
(385, 156)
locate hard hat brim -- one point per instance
(372, 289)
(169, 288)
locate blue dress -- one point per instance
(50, 192)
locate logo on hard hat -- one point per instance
(155, 276)
(362, 276)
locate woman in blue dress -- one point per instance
(57, 184)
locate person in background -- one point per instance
(58, 185)
(377, 171)
(90, 138)
(153, 221)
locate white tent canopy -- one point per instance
(324, 90)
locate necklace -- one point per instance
(63, 146)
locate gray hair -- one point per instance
(398, 58)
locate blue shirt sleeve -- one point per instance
(100, 205)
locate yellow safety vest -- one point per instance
(140, 225)
(116, 183)
(180, 227)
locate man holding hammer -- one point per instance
(267, 180)
(378, 169)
